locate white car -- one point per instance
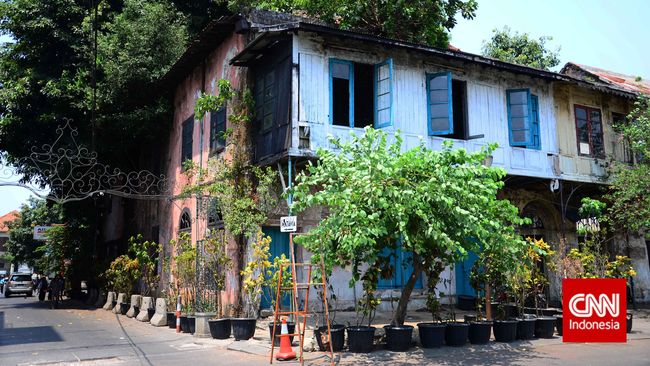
(19, 283)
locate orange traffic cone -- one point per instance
(286, 353)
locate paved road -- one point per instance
(33, 334)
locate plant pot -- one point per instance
(291, 328)
(432, 335)
(466, 302)
(505, 330)
(361, 339)
(185, 324)
(136, 310)
(114, 303)
(628, 318)
(526, 328)
(558, 324)
(243, 328)
(338, 337)
(398, 338)
(151, 312)
(456, 334)
(124, 308)
(191, 321)
(171, 320)
(545, 327)
(220, 328)
(480, 332)
(511, 310)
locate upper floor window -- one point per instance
(186, 139)
(217, 130)
(361, 94)
(186, 221)
(589, 132)
(266, 95)
(447, 106)
(523, 118)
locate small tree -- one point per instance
(122, 274)
(218, 264)
(254, 273)
(146, 253)
(185, 269)
(437, 205)
(521, 49)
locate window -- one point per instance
(361, 94)
(447, 103)
(523, 118)
(266, 94)
(589, 132)
(186, 221)
(186, 143)
(218, 130)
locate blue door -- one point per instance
(279, 246)
(463, 270)
(403, 264)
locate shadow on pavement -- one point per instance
(47, 304)
(13, 336)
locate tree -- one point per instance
(419, 21)
(438, 205)
(521, 49)
(629, 193)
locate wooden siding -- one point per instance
(486, 104)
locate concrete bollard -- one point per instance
(101, 299)
(121, 299)
(160, 317)
(135, 303)
(109, 301)
(147, 303)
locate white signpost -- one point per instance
(39, 232)
(288, 224)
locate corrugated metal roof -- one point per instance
(611, 79)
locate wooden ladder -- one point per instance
(296, 312)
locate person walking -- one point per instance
(55, 290)
(42, 288)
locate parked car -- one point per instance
(19, 283)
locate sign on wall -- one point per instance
(288, 224)
(39, 232)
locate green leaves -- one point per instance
(521, 49)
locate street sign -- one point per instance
(288, 224)
(39, 232)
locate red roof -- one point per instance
(6, 218)
(628, 83)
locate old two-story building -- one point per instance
(311, 80)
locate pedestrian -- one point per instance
(56, 289)
(42, 288)
(2, 283)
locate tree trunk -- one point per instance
(400, 312)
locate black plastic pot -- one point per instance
(398, 338)
(511, 310)
(456, 334)
(480, 332)
(629, 317)
(291, 327)
(432, 334)
(185, 324)
(526, 328)
(545, 327)
(114, 304)
(558, 324)
(338, 337)
(191, 321)
(220, 328)
(243, 328)
(136, 311)
(469, 318)
(466, 302)
(361, 339)
(171, 320)
(505, 330)
(151, 313)
(124, 308)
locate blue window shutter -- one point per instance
(385, 283)
(520, 118)
(440, 112)
(537, 137)
(383, 91)
(342, 69)
(405, 269)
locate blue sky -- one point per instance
(612, 35)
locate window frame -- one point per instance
(376, 123)
(188, 122)
(218, 142)
(535, 123)
(350, 64)
(450, 104)
(592, 151)
(513, 143)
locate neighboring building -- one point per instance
(5, 267)
(310, 80)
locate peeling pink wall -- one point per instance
(206, 76)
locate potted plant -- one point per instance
(480, 328)
(361, 336)
(122, 273)
(278, 265)
(219, 262)
(337, 331)
(432, 334)
(243, 328)
(539, 250)
(456, 332)
(186, 274)
(146, 253)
